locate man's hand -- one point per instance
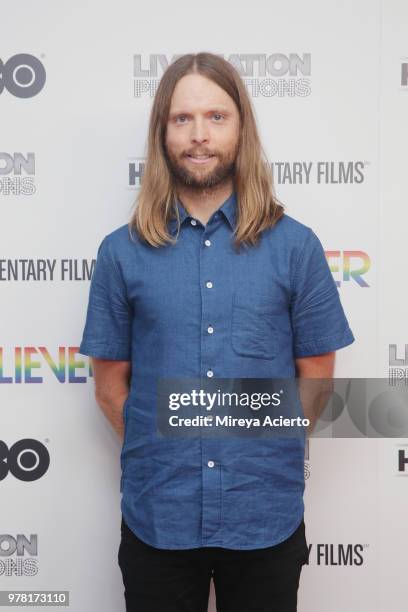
(112, 382)
(315, 395)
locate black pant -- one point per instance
(261, 580)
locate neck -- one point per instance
(201, 204)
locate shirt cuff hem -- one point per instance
(324, 345)
(102, 351)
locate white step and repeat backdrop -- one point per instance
(329, 83)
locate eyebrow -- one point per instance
(216, 109)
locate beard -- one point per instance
(200, 178)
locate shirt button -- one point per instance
(207, 243)
(216, 216)
(210, 329)
(211, 464)
(209, 284)
(193, 222)
(210, 373)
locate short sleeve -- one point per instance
(107, 331)
(319, 324)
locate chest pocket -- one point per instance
(252, 331)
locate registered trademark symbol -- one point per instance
(46, 440)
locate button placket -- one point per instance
(211, 468)
(208, 329)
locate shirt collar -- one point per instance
(228, 209)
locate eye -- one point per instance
(218, 116)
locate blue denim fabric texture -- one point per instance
(267, 305)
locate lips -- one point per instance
(200, 159)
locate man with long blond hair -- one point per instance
(210, 280)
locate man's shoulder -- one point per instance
(120, 239)
(118, 242)
(119, 234)
(291, 230)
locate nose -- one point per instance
(199, 131)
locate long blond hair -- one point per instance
(155, 205)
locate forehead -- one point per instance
(195, 92)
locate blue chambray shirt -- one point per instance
(266, 305)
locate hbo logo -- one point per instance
(27, 460)
(23, 75)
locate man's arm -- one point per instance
(318, 366)
(112, 382)
(314, 396)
